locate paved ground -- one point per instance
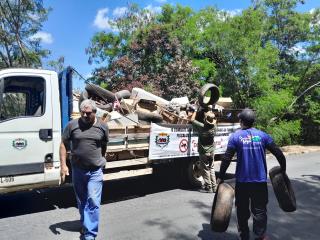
(146, 209)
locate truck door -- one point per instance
(25, 127)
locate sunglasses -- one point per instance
(86, 113)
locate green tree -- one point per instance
(19, 21)
(296, 36)
(57, 65)
(246, 56)
(264, 57)
(142, 55)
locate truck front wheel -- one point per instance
(194, 176)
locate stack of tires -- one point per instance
(96, 92)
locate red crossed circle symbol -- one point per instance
(183, 146)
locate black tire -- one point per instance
(123, 94)
(83, 96)
(283, 190)
(149, 116)
(222, 208)
(214, 94)
(105, 95)
(105, 107)
(194, 176)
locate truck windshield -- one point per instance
(21, 96)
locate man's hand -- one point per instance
(219, 180)
(64, 171)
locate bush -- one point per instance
(285, 132)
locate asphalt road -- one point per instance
(149, 209)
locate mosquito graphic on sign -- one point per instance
(183, 146)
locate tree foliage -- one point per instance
(264, 57)
(20, 20)
(151, 58)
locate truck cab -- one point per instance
(30, 129)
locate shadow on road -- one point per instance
(70, 226)
(22, 203)
(301, 224)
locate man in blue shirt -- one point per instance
(250, 144)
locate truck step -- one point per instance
(127, 174)
(126, 163)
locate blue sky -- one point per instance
(72, 23)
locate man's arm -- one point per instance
(197, 125)
(276, 151)
(103, 149)
(226, 160)
(64, 170)
(105, 141)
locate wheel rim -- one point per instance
(196, 173)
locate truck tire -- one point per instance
(194, 176)
(222, 208)
(95, 90)
(282, 189)
(208, 89)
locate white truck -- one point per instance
(35, 105)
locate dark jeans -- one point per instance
(252, 196)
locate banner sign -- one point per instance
(176, 142)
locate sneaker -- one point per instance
(244, 236)
(83, 237)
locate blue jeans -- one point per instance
(87, 185)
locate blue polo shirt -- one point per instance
(250, 145)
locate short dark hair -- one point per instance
(247, 116)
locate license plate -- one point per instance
(7, 179)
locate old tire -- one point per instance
(83, 96)
(194, 176)
(282, 189)
(123, 94)
(149, 116)
(222, 208)
(106, 107)
(209, 95)
(95, 90)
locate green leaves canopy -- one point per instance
(263, 57)
(20, 20)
